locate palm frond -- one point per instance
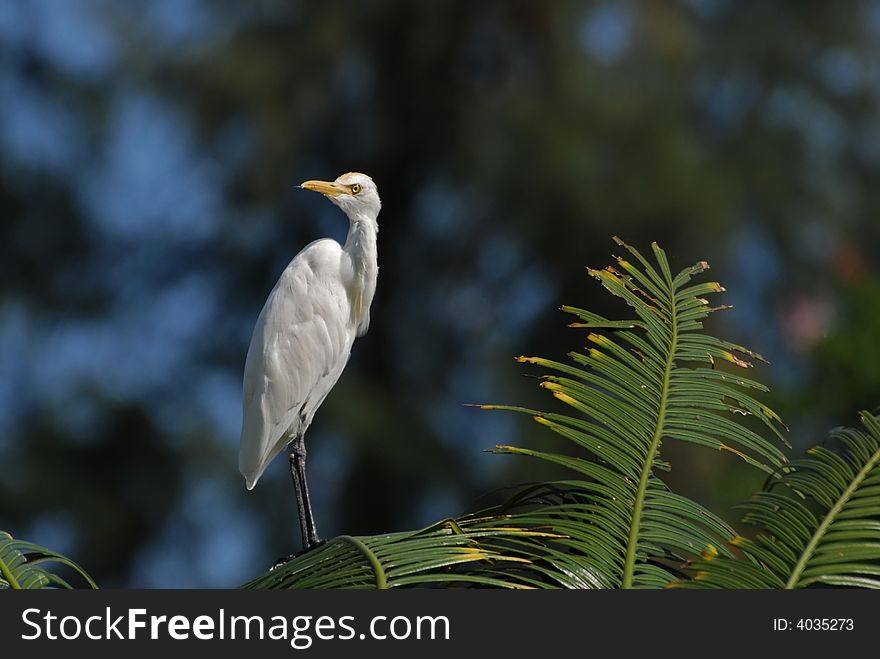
(591, 530)
(641, 381)
(819, 521)
(22, 565)
(444, 554)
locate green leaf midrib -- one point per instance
(828, 520)
(648, 466)
(375, 563)
(8, 575)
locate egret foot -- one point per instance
(284, 559)
(281, 561)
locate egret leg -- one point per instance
(301, 490)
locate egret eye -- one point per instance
(355, 188)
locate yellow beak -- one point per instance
(329, 188)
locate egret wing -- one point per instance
(301, 343)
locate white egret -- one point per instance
(303, 338)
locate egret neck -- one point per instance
(360, 246)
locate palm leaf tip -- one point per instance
(710, 553)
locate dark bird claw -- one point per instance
(284, 559)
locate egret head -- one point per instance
(353, 192)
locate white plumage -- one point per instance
(304, 334)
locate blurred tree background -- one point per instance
(148, 157)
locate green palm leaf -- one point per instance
(592, 528)
(446, 553)
(22, 565)
(819, 521)
(642, 381)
